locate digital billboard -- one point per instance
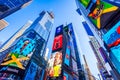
(55, 63)
(65, 76)
(112, 40)
(57, 44)
(102, 13)
(34, 72)
(59, 30)
(67, 55)
(18, 58)
(85, 3)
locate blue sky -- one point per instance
(64, 11)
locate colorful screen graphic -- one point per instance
(57, 44)
(112, 39)
(20, 55)
(67, 55)
(102, 13)
(55, 62)
(59, 30)
(85, 2)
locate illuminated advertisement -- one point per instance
(55, 62)
(67, 56)
(34, 72)
(65, 76)
(102, 13)
(59, 30)
(112, 39)
(57, 44)
(19, 57)
(85, 3)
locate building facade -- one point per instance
(64, 63)
(25, 60)
(102, 16)
(8, 7)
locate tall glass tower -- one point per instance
(7, 7)
(25, 60)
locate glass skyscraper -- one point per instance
(25, 60)
(7, 7)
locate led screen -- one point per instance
(112, 39)
(102, 13)
(34, 72)
(57, 44)
(85, 3)
(67, 55)
(18, 58)
(59, 30)
(55, 62)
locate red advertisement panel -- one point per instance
(57, 44)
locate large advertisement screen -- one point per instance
(67, 55)
(55, 64)
(57, 44)
(112, 39)
(19, 57)
(59, 30)
(102, 13)
(85, 3)
(34, 72)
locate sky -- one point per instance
(65, 13)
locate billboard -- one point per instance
(85, 3)
(18, 58)
(57, 44)
(55, 63)
(102, 13)
(59, 30)
(34, 72)
(112, 40)
(67, 55)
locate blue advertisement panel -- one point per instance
(59, 30)
(67, 55)
(112, 39)
(34, 72)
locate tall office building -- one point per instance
(3, 24)
(64, 63)
(101, 58)
(8, 7)
(102, 17)
(9, 42)
(25, 60)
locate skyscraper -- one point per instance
(8, 7)
(64, 63)
(25, 60)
